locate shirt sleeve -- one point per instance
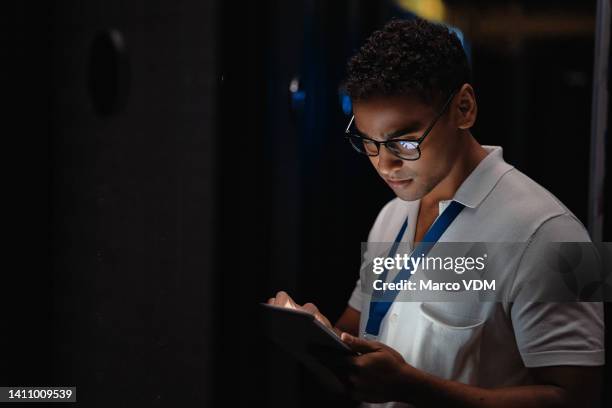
(357, 297)
(554, 333)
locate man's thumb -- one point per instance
(358, 344)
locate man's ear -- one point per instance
(467, 109)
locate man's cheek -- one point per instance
(374, 161)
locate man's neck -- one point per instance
(472, 153)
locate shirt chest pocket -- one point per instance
(447, 339)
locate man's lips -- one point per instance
(397, 183)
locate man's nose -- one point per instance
(388, 163)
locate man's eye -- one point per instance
(407, 144)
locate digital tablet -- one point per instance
(309, 341)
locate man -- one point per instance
(413, 109)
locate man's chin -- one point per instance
(408, 194)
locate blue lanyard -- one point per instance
(378, 309)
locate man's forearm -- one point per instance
(425, 390)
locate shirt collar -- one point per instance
(481, 180)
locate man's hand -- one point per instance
(379, 373)
(282, 299)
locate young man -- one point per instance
(413, 110)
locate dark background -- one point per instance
(154, 196)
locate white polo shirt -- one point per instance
(492, 344)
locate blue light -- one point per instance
(345, 103)
(459, 34)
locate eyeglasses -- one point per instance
(405, 149)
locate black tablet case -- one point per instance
(310, 342)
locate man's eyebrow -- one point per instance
(413, 127)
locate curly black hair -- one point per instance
(415, 57)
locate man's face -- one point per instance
(382, 116)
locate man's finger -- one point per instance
(284, 300)
(310, 308)
(271, 301)
(358, 344)
(281, 298)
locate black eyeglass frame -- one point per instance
(348, 135)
